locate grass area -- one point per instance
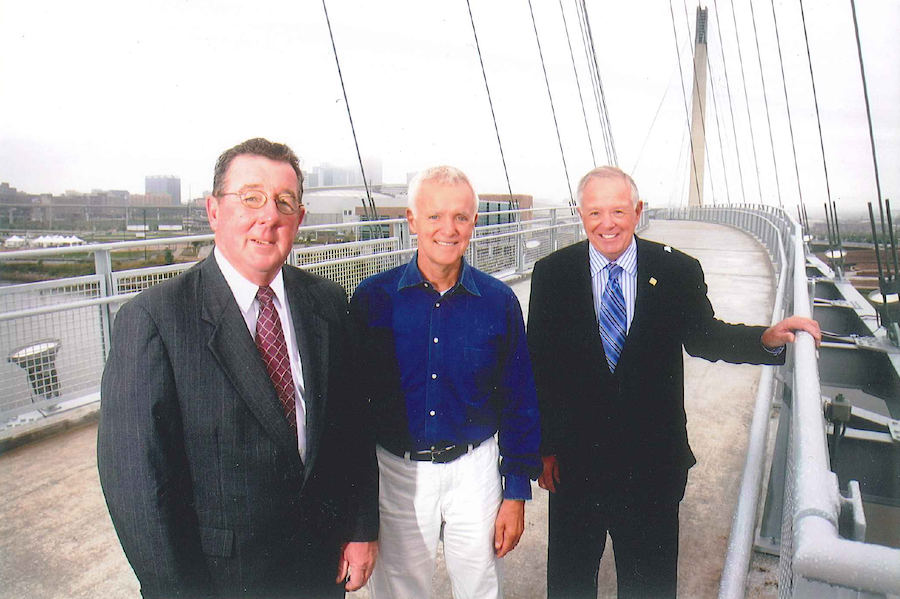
(30, 271)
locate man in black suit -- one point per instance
(607, 321)
(228, 445)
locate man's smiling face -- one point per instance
(609, 215)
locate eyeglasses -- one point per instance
(256, 199)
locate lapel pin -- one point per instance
(653, 281)
(668, 249)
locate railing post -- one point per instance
(103, 268)
(520, 252)
(405, 241)
(554, 236)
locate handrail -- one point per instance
(743, 524)
(819, 552)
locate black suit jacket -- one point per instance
(631, 423)
(198, 464)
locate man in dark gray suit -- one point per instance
(228, 446)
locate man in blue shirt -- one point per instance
(446, 367)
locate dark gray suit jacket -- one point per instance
(198, 464)
(629, 424)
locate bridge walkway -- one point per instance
(57, 542)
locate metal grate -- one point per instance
(350, 273)
(50, 356)
(130, 281)
(785, 561)
(49, 293)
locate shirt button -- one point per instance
(431, 412)
(433, 376)
(437, 305)
(435, 340)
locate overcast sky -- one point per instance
(96, 94)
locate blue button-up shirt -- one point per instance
(449, 369)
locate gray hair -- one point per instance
(608, 172)
(442, 175)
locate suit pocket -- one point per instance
(216, 542)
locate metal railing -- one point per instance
(815, 560)
(55, 334)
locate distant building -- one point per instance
(498, 202)
(330, 175)
(159, 184)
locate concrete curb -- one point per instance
(46, 427)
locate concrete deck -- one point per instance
(56, 539)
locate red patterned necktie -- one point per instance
(273, 349)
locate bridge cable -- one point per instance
(816, 102)
(787, 102)
(588, 58)
(552, 109)
(600, 94)
(512, 199)
(719, 133)
(730, 105)
(349, 116)
(655, 116)
(577, 83)
(687, 115)
(862, 71)
(737, 37)
(762, 78)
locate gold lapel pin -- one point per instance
(653, 281)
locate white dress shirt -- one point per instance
(627, 280)
(245, 295)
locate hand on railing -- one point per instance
(782, 333)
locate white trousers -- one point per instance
(420, 503)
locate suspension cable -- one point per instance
(730, 105)
(762, 78)
(349, 116)
(590, 37)
(655, 116)
(687, 115)
(787, 102)
(552, 109)
(719, 133)
(577, 83)
(862, 71)
(737, 37)
(512, 198)
(816, 102)
(593, 73)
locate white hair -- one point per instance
(442, 175)
(607, 172)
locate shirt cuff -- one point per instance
(517, 487)
(775, 352)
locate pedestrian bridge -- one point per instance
(835, 537)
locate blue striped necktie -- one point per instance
(613, 321)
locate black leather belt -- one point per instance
(442, 455)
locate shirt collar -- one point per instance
(628, 259)
(412, 277)
(243, 290)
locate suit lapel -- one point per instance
(236, 353)
(311, 332)
(644, 301)
(583, 307)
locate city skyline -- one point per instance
(103, 94)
